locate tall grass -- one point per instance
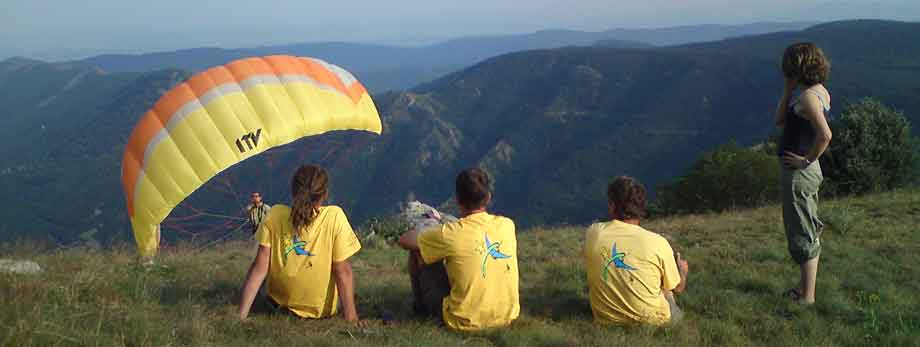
(867, 288)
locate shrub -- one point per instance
(728, 177)
(872, 150)
(916, 174)
(387, 228)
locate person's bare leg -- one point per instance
(676, 313)
(807, 282)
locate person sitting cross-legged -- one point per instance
(632, 272)
(466, 273)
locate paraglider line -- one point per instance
(222, 238)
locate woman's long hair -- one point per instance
(309, 188)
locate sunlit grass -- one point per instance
(739, 266)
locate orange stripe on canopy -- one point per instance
(197, 86)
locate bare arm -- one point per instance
(254, 279)
(814, 112)
(682, 268)
(409, 240)
(344, 281)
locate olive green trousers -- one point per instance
(800, 211)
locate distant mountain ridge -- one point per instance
(551, 126)
(384, 67)
(680, 35)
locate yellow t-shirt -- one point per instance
(300, 269)
(480, 254)
(627, 268)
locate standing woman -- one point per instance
(806, 136)
(303, 252)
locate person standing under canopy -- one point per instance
(256, 211)
(806, 135)
(303, 253)
(465, 273)
(632, 273)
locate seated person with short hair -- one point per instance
(466, 272)
(632, 272)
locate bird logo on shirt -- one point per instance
(615, 258)
(298, 248)
(492, 250)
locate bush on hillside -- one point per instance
(916, 174)
(872, 150)
(728, 177)
(387, 228)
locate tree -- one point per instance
(728, 177)
(872, 150)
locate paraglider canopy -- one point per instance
(225, 115)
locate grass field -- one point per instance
(868, 287)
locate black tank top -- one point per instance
(798, 134)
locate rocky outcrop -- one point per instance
(424, 217)
(20, 266)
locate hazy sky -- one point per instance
(55, 30)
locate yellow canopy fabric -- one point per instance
(225, 115)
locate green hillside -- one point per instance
(867, 287)
(552, 126)
(62, 148)
(42, 101)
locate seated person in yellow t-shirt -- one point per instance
(632, 272)
(304, 251)
(466, 272)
